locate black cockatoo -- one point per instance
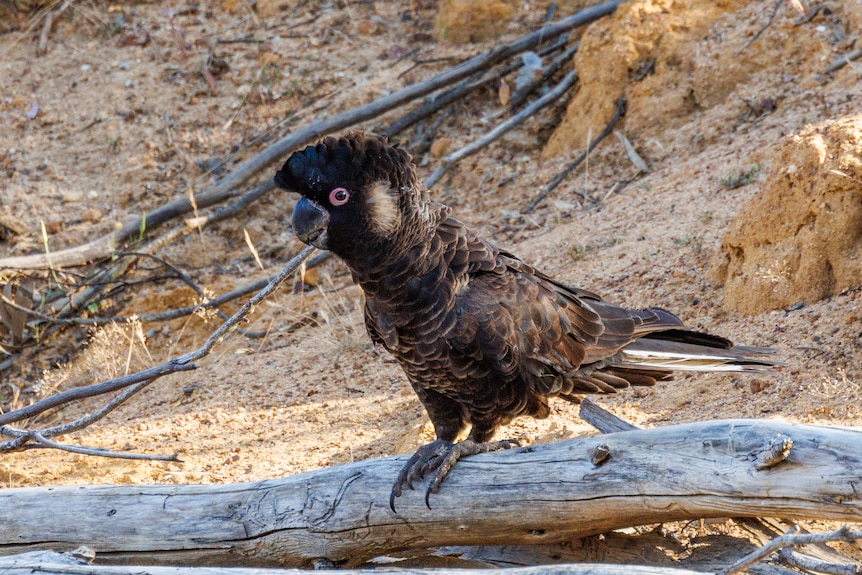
(482, 336)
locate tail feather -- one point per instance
(650, 353)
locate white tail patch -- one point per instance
(644, 359)
(383, 212)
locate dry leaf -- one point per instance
(505, 92)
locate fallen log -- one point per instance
(47, 562)
(537, 494)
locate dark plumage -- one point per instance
(482, 336)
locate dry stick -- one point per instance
(92, 390)
(843, 61)
(778, 4)
(552, 68)
(802, 561)
(788, 539)
(42, 47)
(618, 113)
(21, 436)
(450, 160)
(182, 363)
(474, 82)
(602, 419)
(437, 102)
(95, 451)
(226, 187)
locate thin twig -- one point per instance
(248, 39)
(45, 442)
(618, 113)
(422, 62)
(633, 155)
(42, 47)
(47, 25)
(810, 14)
(450, 160)
(791, 537)
(843, 60)
(778, 4)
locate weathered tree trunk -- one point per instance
(540, 494)
(47, 562)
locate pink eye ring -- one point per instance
(339, 197)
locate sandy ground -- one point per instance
(116, 118)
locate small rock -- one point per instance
(91, 215)
(757, 385)
(53, 227)
(438, 148)
(368, 27)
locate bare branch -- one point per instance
(45, 442)
(450, 160)
(792, 537)
(843, 60)
(21, 436)
(796, 559)
(602, 419)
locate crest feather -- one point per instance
(355, 158)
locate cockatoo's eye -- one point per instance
(339, 197)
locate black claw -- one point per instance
(437, 458)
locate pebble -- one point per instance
(91, 215)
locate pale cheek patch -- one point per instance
(383, 213)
